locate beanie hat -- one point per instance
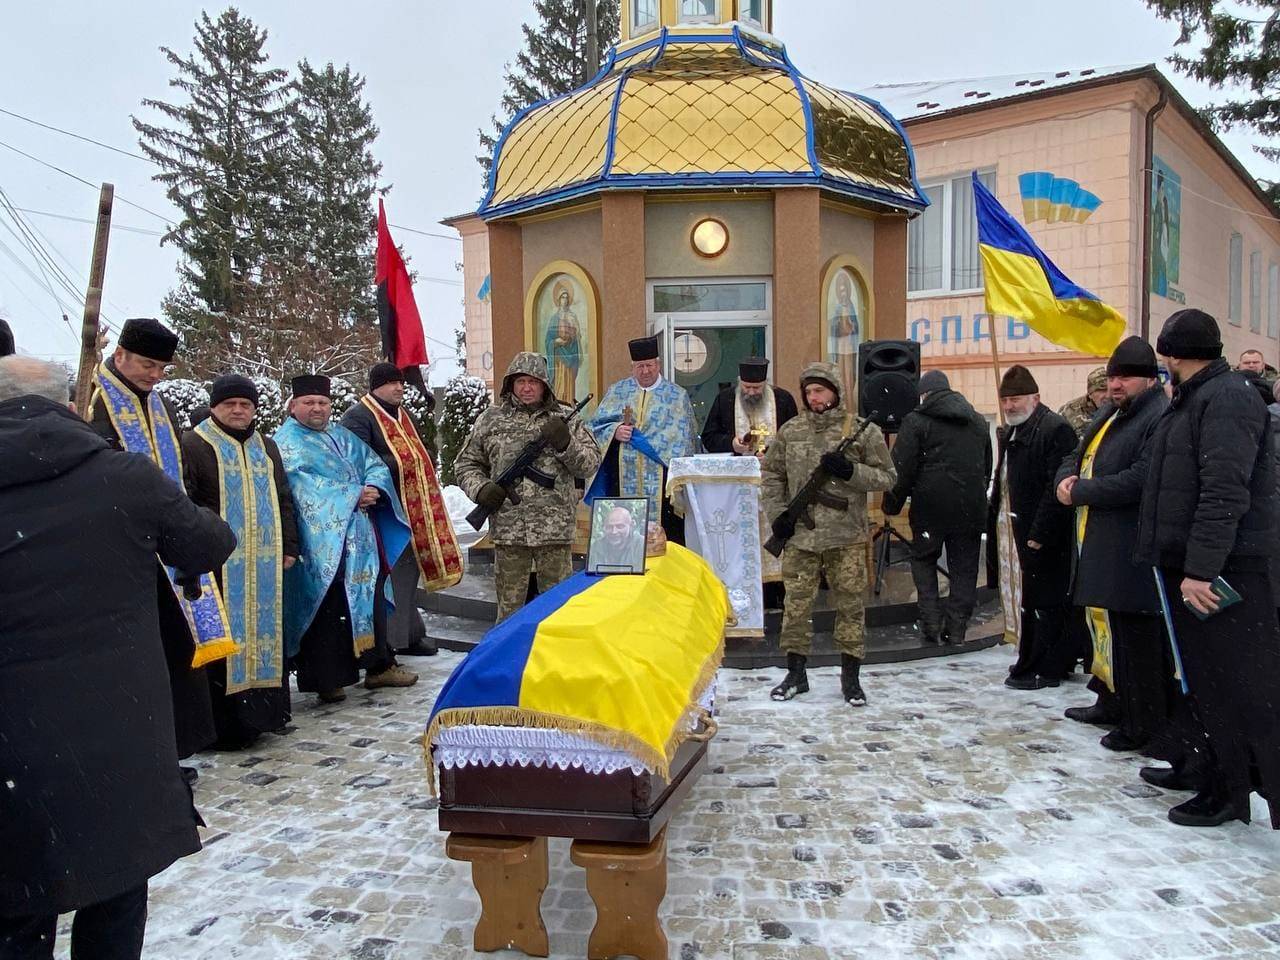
(1133, 358)
(1018, 382)
(233, 386)
(6, 339)
(380, 374)
(1190, 335)
(934, 380)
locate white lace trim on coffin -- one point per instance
(482, 745)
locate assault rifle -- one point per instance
(520, 468)
(801, 505)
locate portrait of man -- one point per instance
(617, 542)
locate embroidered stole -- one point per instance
(252, 577)
(1098, 619)
(155, 437)
(434, 542)
(765, 420)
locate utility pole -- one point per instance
(90, 345)
(592, 56)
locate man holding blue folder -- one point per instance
(1208, 527)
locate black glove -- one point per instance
(784, 527)
(836, 465)
(556, 432)
(190, 584)
(890, 505)
(491, 496)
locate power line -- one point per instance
(78, 136)
(425, 233)
(114, 225)
(95, 186)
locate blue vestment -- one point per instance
(327, 470)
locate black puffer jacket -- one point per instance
(943, 458)
(1210, 500)
(1105, 574)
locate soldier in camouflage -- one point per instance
(837, 543)
(536, 535)
(1080, 411)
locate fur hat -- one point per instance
(310, 385)
(1018, 382)
(148, 338)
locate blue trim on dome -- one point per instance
(807, 107)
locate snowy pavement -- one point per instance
(951, 818)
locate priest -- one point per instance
(237, 473)
(744, 419)
(349, 520)
(382, 422)
(125, 410)
(642, 423)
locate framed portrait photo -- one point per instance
(617, 542)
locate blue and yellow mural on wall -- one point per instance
(1055, 199)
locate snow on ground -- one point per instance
(951, 818)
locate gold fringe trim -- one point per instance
(607, 737)
(206, 653)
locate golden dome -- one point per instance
(714, 108)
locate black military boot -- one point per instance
(849, 683)
(795, 682)
(1210, 808)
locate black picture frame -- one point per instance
(603, 557)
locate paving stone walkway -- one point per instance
(951, 818)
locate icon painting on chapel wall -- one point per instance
(562, 328)
(846, 319)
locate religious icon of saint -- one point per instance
(562, 344)
(844, 331)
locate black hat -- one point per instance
(1018, 382)
(380, 374)
(1190, 335)
(932, 380)
(233, 386)
(310, 385)
(754, 370)
(148, 338)
(7, 346)
(1133, 358)
(645, 348)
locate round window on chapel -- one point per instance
(710, 238)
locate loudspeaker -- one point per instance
(888, 381)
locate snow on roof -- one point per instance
(912, 101)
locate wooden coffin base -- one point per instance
(517, 801)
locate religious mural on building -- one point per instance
(845, 323)
(563, 331)
(1166, 229)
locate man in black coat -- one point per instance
(142, 354)
(1208, 514)
(91, 801)
(943, 458)
(1031, 447)
(753, 405)
(1104, 480)
(213, 451)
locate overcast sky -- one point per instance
(434, 71)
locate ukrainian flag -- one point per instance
(1022, 282)
(619, 660)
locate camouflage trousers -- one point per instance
(512, 564)
(846, 570)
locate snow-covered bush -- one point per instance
(465, 398)
(184, 396)
(345, 396)
(271, 409)
(418, 407)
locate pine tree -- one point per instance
(1240, 50)
(220, 159)
(465, 398)
(327, 208)
(552, 62)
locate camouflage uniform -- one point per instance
(837, 544)
(536, 535)
(1080, 411)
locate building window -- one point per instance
(644, 15)
(1273, 301)
(1235, 266)
(754, 12)
(699, 11)
(1255, 291)
(942, 243)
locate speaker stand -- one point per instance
(882, 546)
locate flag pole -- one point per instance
(995, 364)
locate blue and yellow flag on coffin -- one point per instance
(619, 660)
(1023, 283)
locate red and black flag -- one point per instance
(403, 342)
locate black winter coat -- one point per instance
(360, 420)
(1105, 573)
(719, 430)
(943, 458)
(91, 801)
(1034, 453)
(1210, 499)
